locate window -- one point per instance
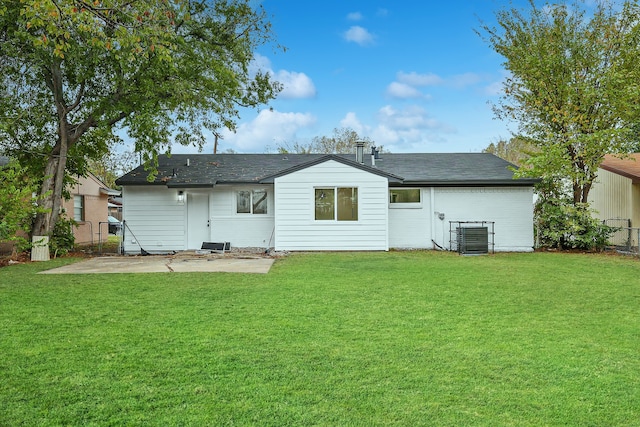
(78, 208)
(251, 201)
(339, 203)
(404, 195)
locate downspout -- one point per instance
(433, 215)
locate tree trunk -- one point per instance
(50, 194)
(585, 191)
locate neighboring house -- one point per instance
(615, 196)
(115, 207)
(315, 202)
(88, 206)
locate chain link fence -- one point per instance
(625, 239)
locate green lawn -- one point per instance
(341, 339)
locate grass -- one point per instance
(340, 339)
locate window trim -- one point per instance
(335, 189)
(251, 192)
(407, 205)
(82, 207)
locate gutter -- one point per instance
(463, 183)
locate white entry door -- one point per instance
(198, 227)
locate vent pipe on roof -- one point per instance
(188, 163)
(360, 151)
(373, 155)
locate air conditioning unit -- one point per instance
(473, 240)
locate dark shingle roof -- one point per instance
(207, 170)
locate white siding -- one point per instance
(241, 230)
(296, 228)
(159, 223)
(410, 225)
(511, 208)
(154, 219)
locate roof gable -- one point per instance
(336, 158)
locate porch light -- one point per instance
(181, 197)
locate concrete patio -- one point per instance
(179, 263)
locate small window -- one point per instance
(251, 202)
(78, 208)
(404, 195)
(339, 203)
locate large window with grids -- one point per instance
(336, 204)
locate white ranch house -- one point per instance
(315, 202)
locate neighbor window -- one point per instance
(78, 208)
(338, 203)
(251, 201)
(404, 195)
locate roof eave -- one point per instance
(635, 178)
(472, 183)
(191, 184)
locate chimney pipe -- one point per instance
(360, 151)
(373, 155)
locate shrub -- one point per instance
(562, 225)
(62, 241)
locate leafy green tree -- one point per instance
(572, 89)
(343, 141)
(515, 150)
(76, 73)
(112, 165)
(17, 203)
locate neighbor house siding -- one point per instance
(295, 224)
(635, 205)
(241, 230)
(93, 227)
(611, 196)
(154, 219)
(510, 208)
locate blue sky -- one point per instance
(411, 75)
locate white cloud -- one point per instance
(260, 63)
(415, 79)
(458, 80)
(464, 80)
(404, 91)
(267, 130)
(351, 121)
(354, 16)
(358, 35)
(411, 117)
(494, 89)
(295, 85)
(407, 130)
